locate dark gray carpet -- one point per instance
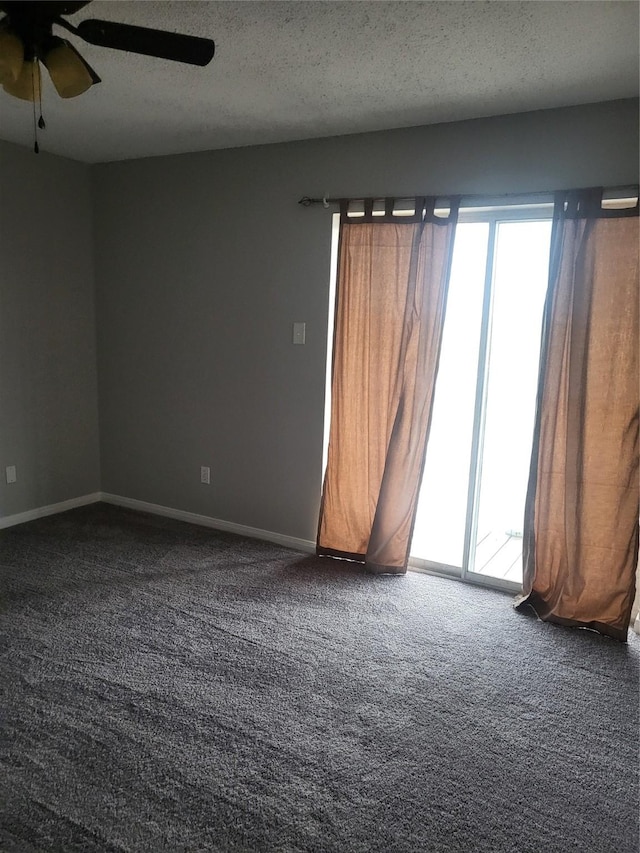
(169, 688)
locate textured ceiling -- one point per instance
(296, 70)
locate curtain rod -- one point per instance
(307, 201)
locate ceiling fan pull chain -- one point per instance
(41, 122)
(36, 147)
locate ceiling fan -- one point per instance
(27, 40)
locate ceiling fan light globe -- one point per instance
(27, 85)
(11, 56)
(68, 72)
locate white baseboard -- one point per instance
(51, 509)
(156, 509)
(305, 545)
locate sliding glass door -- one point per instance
(439, 532)
(469, 520)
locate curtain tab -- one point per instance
(344, 209)
(454, 207)
(587, 204)
(430, 205)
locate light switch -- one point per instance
(11, 473)
(299, 330)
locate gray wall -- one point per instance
(48, 392)
(203, 262)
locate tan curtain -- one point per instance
(391, 299)
(581, 521)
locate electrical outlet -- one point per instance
(11, 473)
(205, 475)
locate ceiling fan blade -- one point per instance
(165, 45)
